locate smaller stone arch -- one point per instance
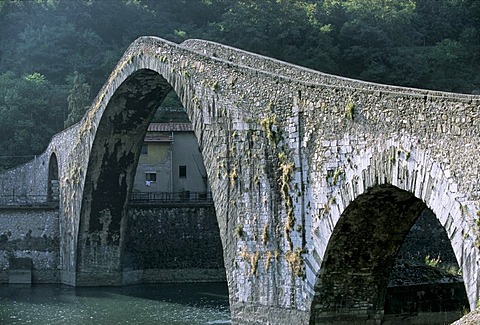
(361, 254)
(374, 204)
(53, 184)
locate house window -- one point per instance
(150, 177)
(145, 149)
(182, 171)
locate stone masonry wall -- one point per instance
(34, 234)
(28, 179)
(31, 178)
(174, 244)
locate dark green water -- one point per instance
(137, 304)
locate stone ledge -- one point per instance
(249, 314)
(29, 207)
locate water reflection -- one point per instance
(139, 304)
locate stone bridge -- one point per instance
(316, 179)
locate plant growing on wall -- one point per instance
(265, 235)
(295, 261)
(269, 125)
(336, 176)
(254, 257)
(268, 257)
(350, 110)
(239, 231)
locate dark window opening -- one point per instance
(151, 177)
(145, 149)
(182, 171)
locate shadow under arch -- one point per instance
(352, 283)
(53, 189)
(110, 174)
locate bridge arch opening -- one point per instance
(104, 256)
(109, 177)
(173, 233)
(352, 284)
(53, 187)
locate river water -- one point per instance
(162, 304)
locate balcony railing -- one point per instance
(150, 198)
(171, 197)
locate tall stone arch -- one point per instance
(109, 177)
(377, 198)
(101, 165)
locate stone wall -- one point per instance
(169, 244)
(28, 179)
(426, 298)
(427, 238)
(173, 244)
(31, 233)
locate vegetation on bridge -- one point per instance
(55, 54)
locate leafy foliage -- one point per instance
(31, 110)
(78, 99)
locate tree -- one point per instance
(31, 112)
(78, 99)
(290, 30)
